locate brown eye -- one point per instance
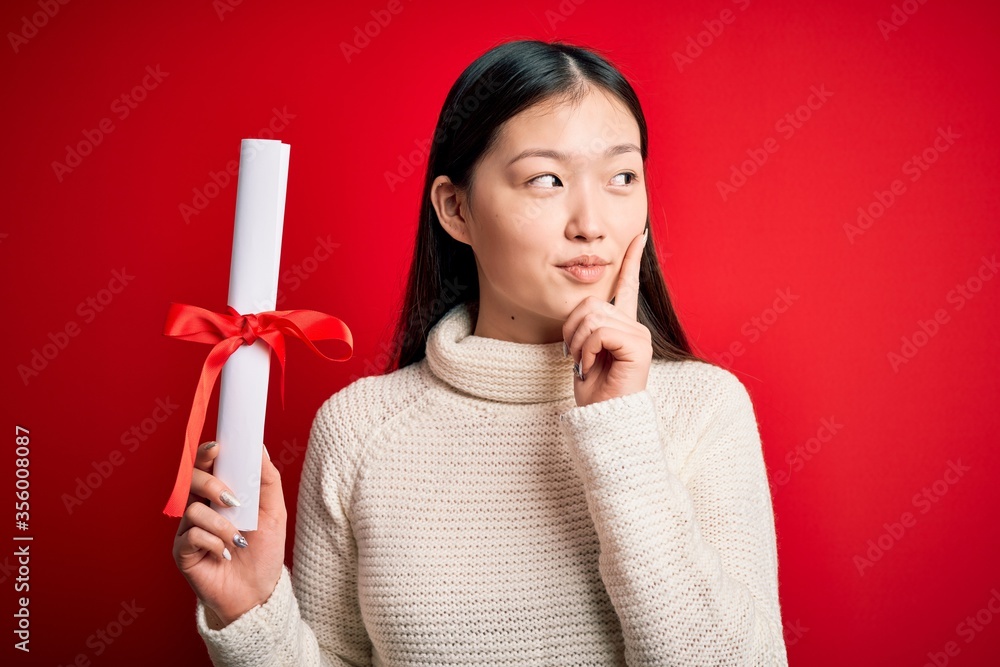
(543, 176)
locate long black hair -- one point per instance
(499, 84)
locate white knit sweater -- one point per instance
(464, 511)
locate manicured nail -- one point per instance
(565, 349)
(208, 445)
(229, 499)
(578, 370)
(226, 554)
(645, 235)
(240, 541)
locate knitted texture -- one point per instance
(464, 510)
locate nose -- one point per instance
(586, 220)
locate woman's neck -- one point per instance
(514, 325)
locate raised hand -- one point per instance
(612, 349)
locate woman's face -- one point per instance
(562, 181)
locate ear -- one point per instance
(451, 207)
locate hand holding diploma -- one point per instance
(227, 576)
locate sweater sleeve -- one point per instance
(312, 618)
(690, 565)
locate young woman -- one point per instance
(548, 476)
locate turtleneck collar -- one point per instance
(494, 369)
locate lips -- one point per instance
(585, 260)
(585, 273)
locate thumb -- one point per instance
(270, 483)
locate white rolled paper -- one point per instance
(253, 287)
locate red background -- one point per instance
(825, 358)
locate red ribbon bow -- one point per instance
(228, 333)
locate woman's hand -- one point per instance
(231, 576)
(612, 349)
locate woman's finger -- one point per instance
(207, 485)
(591, 315)
(193, 544)
(590, 310)
(207, 451)
(205, 517)
(627, 290)
(618, 343)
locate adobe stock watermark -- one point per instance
(407, 165)
(697, 43)
(924, 501)
(786, 127)
(448, 297)
(914, 168)
(30, 25)
(103, 637)
(562, 12)
(363, 35)
(793, 632)
(968, 629)
(223, 7)
(898, 17)
(755, 327)
(131, 439)
(57, 341)
(957, 297)
(804, 453)
(121, 107)
(7, 569)
(290, 451)
(217, 181)
(293, 277)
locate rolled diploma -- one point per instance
(253, 287)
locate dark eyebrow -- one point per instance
(562, 157)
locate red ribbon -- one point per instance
(227, 333)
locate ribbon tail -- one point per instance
(196, 421)
(329, 328)
(274, 338)
(281, 381)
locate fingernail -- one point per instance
(229, 499)
(266, 452)
(240, 541)
(208, 445)
(565, 349)
(226, 554)
(577, 370)
(645, 235)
